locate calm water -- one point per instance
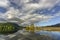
(55, 35)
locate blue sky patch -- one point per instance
(2, 10)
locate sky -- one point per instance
(39, 12)
(50, 22)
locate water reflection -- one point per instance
(53, 34)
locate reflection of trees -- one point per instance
(31, 36)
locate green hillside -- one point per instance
(9, 27)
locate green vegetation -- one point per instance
(33, 28)
(9, 28)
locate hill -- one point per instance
(56, 25)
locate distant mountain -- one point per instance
(56, 25)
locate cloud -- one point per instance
(11, 13)
(34, 18)
(57, 14)
(25, 10)
(4, 3)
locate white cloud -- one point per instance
(35, 18)
(11, 13)
(25, 13)
(4, 3)
(57, 14)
